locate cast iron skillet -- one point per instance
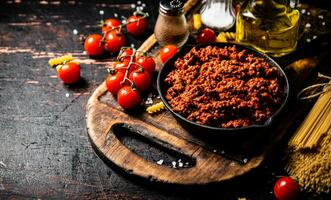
(210, 130)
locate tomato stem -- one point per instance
(119, 27)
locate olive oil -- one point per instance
(268, 26)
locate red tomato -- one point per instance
(109, 24)
(286, 189)
(167, 52)
(113, 82)
(114, 41)
(69, 73)
(93, 45)
(206, 36)
(142, 80)
(137, 25)
(121, 66)
(126, 54)
(147, 63)
(128, 98)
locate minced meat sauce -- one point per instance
(224, 87)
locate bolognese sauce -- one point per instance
(224, 87)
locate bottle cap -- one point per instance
(171, 7)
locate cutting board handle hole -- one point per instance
(151, 148)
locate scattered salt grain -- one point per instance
(101, 12)
(115, 15)
(214, 150)
(222, 152)
(133, 6)
(143, 5)
(84, 52)
(323, 23)
(320, 16)
(180, 164)
(123, 21)
(138, 2)
(314, 37)
(160, 162)
(132, 45)
(173, 164)
(75, 32)
(245, 160)
(308, 40)
(3, 164)
(67, 94)
(308, 25)
(308, 13)
(303, 11)
(139, 9)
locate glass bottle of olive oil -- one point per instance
(268, 26)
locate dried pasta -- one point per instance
(155, 108)
(226, 36)
(309, 158)
(60, 60)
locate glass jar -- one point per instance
(269, 26)
(218, 14)
(171, 26)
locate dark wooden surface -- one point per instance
(44, 148)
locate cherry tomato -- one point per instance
(286, 189)
(109, 24)
(93, 45)
(114, 41)
(128, 98)
(126, 54)
(69, 73)
(142, 80)
(137, 25)
(121, 66)
(147, 63)
(113, 82)
(206, 36)
(167, 52)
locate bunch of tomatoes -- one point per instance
(112, 38)
(129, 76)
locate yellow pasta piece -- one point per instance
(197, 21)
(60, 60)
(226, 36)
(155, 108)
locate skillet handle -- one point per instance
(313, 48)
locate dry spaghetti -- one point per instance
(309, 158)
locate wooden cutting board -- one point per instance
(211, 162)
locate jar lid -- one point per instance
(171, 7)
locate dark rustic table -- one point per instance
(44, 149)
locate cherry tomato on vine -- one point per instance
(206, 36)
(128, 98)
(286, 189)
(113, 82)
(136, 25)
(167, 52)
(109, 24)
(93, 45)
(114, 41)
(147, 63)
(142, 80)
(122, 66)
(126, 54)
(69, 73)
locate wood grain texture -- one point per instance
(210, 167)
(45, 152)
